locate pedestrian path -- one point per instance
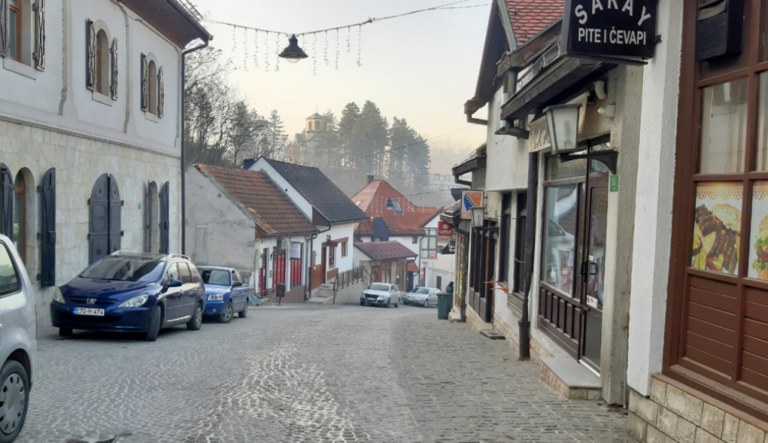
(463, 387)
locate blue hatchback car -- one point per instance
(131, 292)
(225, 293)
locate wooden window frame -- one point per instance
(15, 6)
(331, 257)
(726, 387)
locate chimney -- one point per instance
(247, 163)
(370, 178)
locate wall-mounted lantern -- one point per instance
(563, 125)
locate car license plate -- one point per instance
(89, 311)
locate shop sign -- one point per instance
(620, 30)
(469, 200)
(444, 230)
(539, 135)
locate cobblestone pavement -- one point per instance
(301, 374)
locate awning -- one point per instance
(413, 267)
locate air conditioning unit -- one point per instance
(285, 244)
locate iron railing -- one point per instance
(346, 279)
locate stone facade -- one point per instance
(675, 413)
(79, 161)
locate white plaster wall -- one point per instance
(336, 233)
(509, 167)
(293, 194)
(230, 233)
(653, 216)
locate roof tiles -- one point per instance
(373, 201)
(530, 17)
(273, 210)
(385, 250)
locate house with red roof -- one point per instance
(241, 219)
(392, 217)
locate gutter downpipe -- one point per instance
(530, 237)
(183, 142)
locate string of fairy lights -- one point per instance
(267, 43)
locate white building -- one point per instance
(301, 148)
(90, 116)
(326, 206)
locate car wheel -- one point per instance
(426, 302)
(229, 312)
(389, 303)
(197, 319)
(65, 332)
(244, 312)
(14, 389)
(362, 303)
(154, 324)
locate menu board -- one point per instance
(758, 245)
(717, 227)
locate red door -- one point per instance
(278, 268)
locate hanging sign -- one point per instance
(615, 29)
(469, 200)
(444, 230)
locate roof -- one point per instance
(529, 17)
(385, 250)
(175, 19)
(315, 116)
(320, 192)
(412, 267)
(273, 211)
(380, 200)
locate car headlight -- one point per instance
(216, 297)
(57, 296)
(135, 302)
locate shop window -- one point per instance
(561, 217)
(518, 264)
(428, 245)
(724, 127)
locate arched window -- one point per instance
(102, 63)
(19, 218)
(152, 87)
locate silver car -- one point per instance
(422, 297)
(18, 340)
(381, 294)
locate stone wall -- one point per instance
(676, 413)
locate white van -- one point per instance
(18, 341)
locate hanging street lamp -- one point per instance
(293, 53)
(563, 124)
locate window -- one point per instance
(15, 27)
(429, 244)
(19, 215)
(173, 273)
(152, 87)
(186, 276)
(239, 277)
(9, 277)
(216, 277)
(236, 278)
(332, 257)
(344, 248)
(415, 240)
(102, 63)
(127, 269)
(506, 219)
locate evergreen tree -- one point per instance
(401, 136)
(276, 136)
(348, 135)
(419, 162)
(327, 138)
(374, 138)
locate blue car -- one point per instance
(225, 293)
(131, 292)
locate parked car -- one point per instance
(225, 293)
(382, 294)
(131, 292)
(422, 296)
(18, 340)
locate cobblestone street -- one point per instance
(291, 374)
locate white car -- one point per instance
(382, 294)
(18, 340)
(422, 297)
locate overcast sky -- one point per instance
(421, 67)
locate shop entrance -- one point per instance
(573, 265)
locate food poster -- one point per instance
(758, 244)
(717, 227)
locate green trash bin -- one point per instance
(443, 305)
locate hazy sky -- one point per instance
(421, 67)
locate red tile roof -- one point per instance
(274, 212)
(529, 17)
(373, 201)
(385, 250)
(412, 267)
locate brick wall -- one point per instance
(675, 413)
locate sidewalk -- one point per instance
(463, 387)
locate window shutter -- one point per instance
(98, 228)
(144, 84)
(40, 35)
(3, 28)
(160, 92)
(48, 228)
(115, 213)
(7, 192)
(165, 219)
(113, 55)
(90, 69)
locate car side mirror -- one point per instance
(174, 284)
(236, 284)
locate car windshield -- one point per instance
(126, 269)
(216, 277)
(378, 287)
(422, 291)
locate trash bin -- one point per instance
(443, 305)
